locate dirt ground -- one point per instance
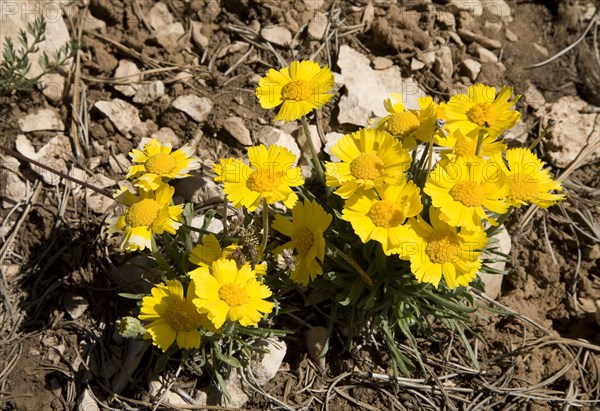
(59, 302)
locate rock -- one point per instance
(469, 37)
(268, 135)
(493, 282)
(198, 37)
(86, 402)
(119, 163)
(317, 339)
(168, 36)
(492, 27)
(121, 114)
(317, 26)
(164, 135)
(159, 16)
(265, 366)
(510, 35)
(533, 97)
(314, 4)
(148, 93)
(416, 64)
(127, 68)
(572, 132)
(518, 133)
(368, 88)
(42, 119)
(198, 108)
(215, 226)
(56, 36)
(443, 65)
(197, 189)
(54, 155)
(446, 20)
(471, 68)
(12, 188)
(496, 10)
(93, 23)
(474, 7)
(137, 275)
(485, 55)
(75, 305)
(331, 140)
(381, 63)
(157, 388)
(543, 51)
(303, 141)
(277, 35)
(235, 126)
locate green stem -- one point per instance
(313, 151)
(160, 259)
(493, 229)
(263, 244)
(480, 136)
(365, 277)
(544, 133)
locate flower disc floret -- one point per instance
(263, 180)
(160, 163)
(469, 193)
(143, 213)
(233, 295)
(443, 247)
(402, 124)
(367, 166)
(482, 114)
(303, 240)
(296, 90)
(386, 214)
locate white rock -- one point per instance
(472, 6)
(316, 340)
(238, 130)
(493, 282)
(157, 388)
(159, 16)
(471, 68)
(54, 155)
(510, 35)
(86, 402)
(128, 69)
(533, 97)
(93, 23)
(119, 163)
(75, 305)
(517, 133)
(215, 226)
(381, 63)
(443, 65)
(331, 140)
(265, 366)
(277, 35)
(165, 135)
(496, 10)
(123, 115)
(485, 55)
(446, 20)
(268, 135)
(572, 132)
(368, 88)
(11, 185)
(57, 35)
(317, 26)
(170, 35)
(543, 51)
(468, 36)
(148, 93)
(198, 108)
(303, 141)
(198, 189)
(197, 36)
(416, 64)
(42, 119)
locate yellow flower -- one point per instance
(174, 317)
(309, 221)
(271, 176)
(482, 109)
(460, 145)
(438, 250)
(156, 162)
(300, 88)
(463, 187)
(529, 182)
(368, 157)
(409, 125)
(381, 216)
(209, 251)
(225, 292)
(151, 213)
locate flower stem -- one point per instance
(480, 136)
(544, 133)
(494, 229)
(263, 244)
(365, 277)
(160, 259)
(313, 151)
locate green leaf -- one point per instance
(132, 296)
(161, 362)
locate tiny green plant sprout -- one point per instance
(393, 238)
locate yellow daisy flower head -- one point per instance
(173, 316)
(157, 162)
(464, 188)
(299, 89)
(529, 182)
(409, 125)
(209, 251)
(309, 222)
(482, 109)
(460, 145)
(438, 249)
(271, 175)
(225, 292)
(150, 213)
(381, 215)
(368, 157)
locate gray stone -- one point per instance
(471, 68)
(121, 114)
(159, 16)
(317, 26)
(168, 36)
(75, 305)
(198, 37)
(86, 402)
(518, 133)
(331, 140)
(148, 93)
(158, 388)
(485, 55)
(268, 135)
(198, 108)
(277, 35)
(382, 63)
(236, 127)
(53, 154)
(12, 187)
(316, 340)
(496, 10)
(130, 71)
(533, 97)
(416, 64)
(165, 135)
(215, 226)
(543, 51)
(511, 35)
(265, 366)
(446, 20)
(42, 119)
(443, 65)
(303, 141)
(198, 189)
(493, 282)
(472, 6)
(469, 37)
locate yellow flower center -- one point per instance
(297, 90)
(465, 147)
(182, 316)
(402, 124)
(469, 193)
(303, 240)
(386, 214)
(482, 114)
(233, 295)
(160, 164)
(143, 213)
(263, 180)
(443, 247)
(522, 187)
(367, 166)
